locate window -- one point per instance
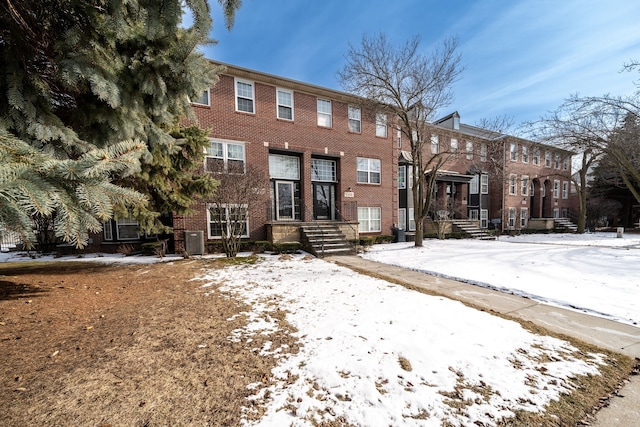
(402, 177)
(525, 154)
(284, 167)
(556, 213)
(483, 152)
(474, 186)
(512, 218)
(399, 138)
(454, 146)
(536, 156)
(324, 113)
(204, 99)
(565, 189)
(125, 229)
(244, 96)
(355, 119)
(512, 184)
(565, 213)
(225, 156)
(524, 189)
(524, 215)
(323, 170)
(435, 144)
(470, 150)
(565, 163)
(285, 104)
(225, 220)
(484, 218)
(410, 176)
(547, 159)
(513, 152)
(412, 220)
(402, 218)
(556, 189)
(484, 184)
(368, 171)
(556, 161)
(381, 125)
(369, 220)
(474, 214)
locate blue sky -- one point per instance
(521, 58)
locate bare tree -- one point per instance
(411, 87)
(232, 202)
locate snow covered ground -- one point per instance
(376, 354)
(596, 273)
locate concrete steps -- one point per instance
(563, 225)
(323, 239)
(472, 230)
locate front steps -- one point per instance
(323, 239)
(563, 225)
(472, 230)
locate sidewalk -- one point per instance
(622, 411)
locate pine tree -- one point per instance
(83, 84)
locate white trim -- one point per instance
(210, 221)
(208, 92)
(252, 97)
(278, 104)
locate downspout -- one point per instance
(504, 187)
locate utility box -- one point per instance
(194, 242)
(619, 232)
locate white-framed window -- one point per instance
(205, 98)
(285, 104)
(121, 229)
(355, 119)
(484, 184)
(225, 156)
(474, 184)
(454, 146)
(402, 218)
(469, 149)
(435, 144)
(412, 220)
(565, 189)
(556, 212)
(556, 161)
(474, 214)
(245, 96)
(369, 220)
(225, 219)
(381, 125)
(324, 113)
(513, 152)
(512, 218)
(547, 159)
(369, 171)
(536, 156)
(483, 152)
(512, 184)
(524, 216)
(565, 163)
(399, 138)
(323, 170)
(484, 218)
(284, 167)
(402, 177)
(524, 189)
(556, 189)
(525, 154)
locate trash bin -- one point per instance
(399, 235)
(619, 232)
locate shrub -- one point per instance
(287, 247)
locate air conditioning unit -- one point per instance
(194, 242)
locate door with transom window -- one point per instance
(323, 177)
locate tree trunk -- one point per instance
(419, 233)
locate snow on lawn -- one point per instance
(376, 354)
(597, 273)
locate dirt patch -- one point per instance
(89, 344)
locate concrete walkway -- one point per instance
(622, 411)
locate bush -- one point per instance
(384, 238)
(287, 247)
(367, 240)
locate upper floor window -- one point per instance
(324, 113)
(513, 152)
(402, 177)
(454, 146)
(225, 156)
(524, 189)
(556, 189)
(536, 156)
(469, 148)
(547, 159)
(565, 189)
(484, 184)
(368, 170)
(483, 152)
(565, 163)
(285, 104)
(556, 161)
(474, 184)
(435, 144)
(381, 125)
(355, 119)
(525, 154)
(204, 98)
(512, 184)
(244, 96)
(284, 167)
